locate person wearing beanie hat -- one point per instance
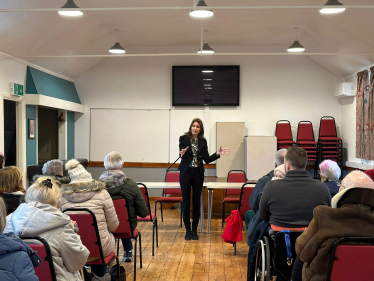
(53, 169)
(85, 192)
(370, 173)
(350, 214)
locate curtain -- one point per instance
(364, 130)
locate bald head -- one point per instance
(357, 179)
(279, 156)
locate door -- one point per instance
(47, 134)
(10, 133)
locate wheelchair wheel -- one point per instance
(268, 276)
(262, 269)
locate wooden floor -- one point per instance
(209, 258)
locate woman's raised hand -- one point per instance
(223, 151)
(183, 151)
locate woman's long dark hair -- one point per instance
(201, 133)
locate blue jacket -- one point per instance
(333, 187)
(17, 260)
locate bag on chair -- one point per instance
(114, 273)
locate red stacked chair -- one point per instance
(284, 134)
(329, 145)
(305, 139)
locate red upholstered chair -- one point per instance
(90, 236)
(305, 139)
(124, 229)
(151, 217)
(171, 176)
(284, 134)
(233, 176)
(45, 271)
(351, 262)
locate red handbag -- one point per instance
(233, 230)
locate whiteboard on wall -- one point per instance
(138, 135)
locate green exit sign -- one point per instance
(16, 89)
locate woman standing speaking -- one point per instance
(193, 150)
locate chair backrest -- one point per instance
(144, 190)
(327, 127)
(45, 271)
(123, 214)
(245, 193)
(280, 253)
(283, 130)
(235, 176)
(351, 262)
(172, 176)
(305, 131)
(88, 230)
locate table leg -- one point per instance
(210, 207)
(202, 211)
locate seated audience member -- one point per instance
(351, 215)
(279, 173)
(17, 259)
(2, 160)
(54, 169)
(84, 192)
(290, 202)
(11, 189)
(330, 174)
(254, 200)
(119, 186)
(40, 216)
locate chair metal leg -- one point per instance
(156, 208)
(153, 239)
(140, 250)
(136, 242)
(156, 232)
(223, 213)
(118, 268)
(235, 249)
(162, 216)
(117, 247)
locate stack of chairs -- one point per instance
(329, 145)
(305, 139)
(284, 134)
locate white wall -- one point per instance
(272, 88)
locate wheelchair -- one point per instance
(271, 257)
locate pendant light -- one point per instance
(206, 49)
(333, 7)
(296, 47)
(70, 5)
(117, 48)
(202, 12)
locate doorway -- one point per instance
(10, 133)
(47, 134)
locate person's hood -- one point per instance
(81, 191)
(113, 178)
(34, 218)
(354, 196)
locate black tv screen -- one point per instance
(213, 85)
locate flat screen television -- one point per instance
(211, 85)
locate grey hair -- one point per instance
(2, 215)
(53, 168)
(357, 179)
(279, 156)
(113, 161)
(330, 170)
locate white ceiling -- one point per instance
(28, 34)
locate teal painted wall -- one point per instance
(31, 144)
(42, 83)
(71, 134)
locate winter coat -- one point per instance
(93, 196)
(68, 253)
(61, 180)
(333, 187)
(352, 217)
(119, 187)
(17, 260)
(254, 200)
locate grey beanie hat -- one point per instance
(77, 172)
(53, 168)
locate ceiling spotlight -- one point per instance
(207, 71)
(202, 12)
(117, 48)
(296, 47)
(333, 7)
(206, 49)
(70, 5)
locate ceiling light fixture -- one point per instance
(206, 49)
(296, 47)
(70, 5)
(117, 48)
(333, 7)
(202, 12)
(207, 71)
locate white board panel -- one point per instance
(180, 121)
(138, 135)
